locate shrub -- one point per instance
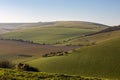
(44, 43)
(26, 67)
(93, 43)
(5, 64)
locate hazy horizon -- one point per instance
(51, 21)
(32, 11)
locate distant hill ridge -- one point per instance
(8, 27)
(109, 29)
(54, 23)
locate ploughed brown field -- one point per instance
(25, 48)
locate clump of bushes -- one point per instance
(20, 66)
(26, 67)
(59, 53)
(5, 64)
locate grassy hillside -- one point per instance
(55, 32)
(93, 39)
(8, 74)
(101, 60)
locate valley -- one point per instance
(65, 48)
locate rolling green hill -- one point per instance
(93, 39)
(100, 60)
(55, 32)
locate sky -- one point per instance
(99, 11)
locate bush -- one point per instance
(5, 64)
(26, 67)
(93, 43)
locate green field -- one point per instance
(100, 60)
(93, 39)
(50, 35)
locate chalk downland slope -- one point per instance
(54, 32)
(94, 38)
(99, 60)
